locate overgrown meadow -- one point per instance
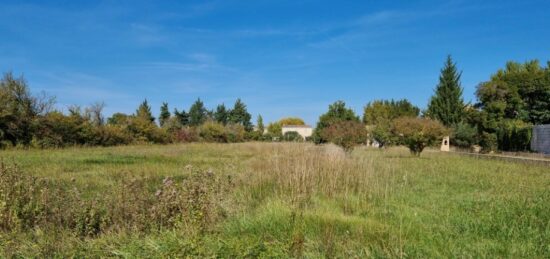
(269, 200)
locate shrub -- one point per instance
(186, 135)
(488, 142)
(418, 133)
(235, 133)
(464, 135)
(346, 134)
(514, 135)
(212, 132)
(382, 134)
(292, 136)
(110, 135)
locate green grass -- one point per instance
(300, 200)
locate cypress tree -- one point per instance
(260, 124)
(164, 114)
(447, 104)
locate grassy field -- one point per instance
(269, 200)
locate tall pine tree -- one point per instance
(447, 104)
(144, 112)
(197, 113)
(221, 114)
(164, 114)
(239, 115)
(182, 117)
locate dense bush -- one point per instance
(236, 133)
(346, 134)
(488, 142)
(514, 135)
(418, 133)
(464, 135)
(292, 136)
(212, 132)
(186, 135)
(29, 203)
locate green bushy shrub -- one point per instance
(292, 136)
(235, 133)
(418, 133)
(346, 134)
(514, 135)
(212, 132)
(488, 142)
(464, 135)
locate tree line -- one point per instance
(508, 105)
(513, 100)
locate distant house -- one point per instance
(304, 130)
(540, 141)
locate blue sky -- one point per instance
(282, 58)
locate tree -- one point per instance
(94, 113)
(275, 129)
(260, 124)
(144, 112)
(239, 115)
(383, 111)
(182, 117)
(291, 121)
(379, 115)
(520, 91)
(418, 133)
(345, 133)
(221, 115)
(336, 112)
(164, 114)
(19, 109)
(447, 104)
(197, 113)
(118, 119)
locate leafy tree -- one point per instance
(118, 119)
(520, 91)
(260, 124)
(239, 115)
(383, 111)
(144, 112)
(336, 112)
(447, 104)
(275, 129)
(291, 121)
(221, 115)
(197, 113)
(19, 109)
(345, 133)
(379, 114)
(164, 114)
(418, 133)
